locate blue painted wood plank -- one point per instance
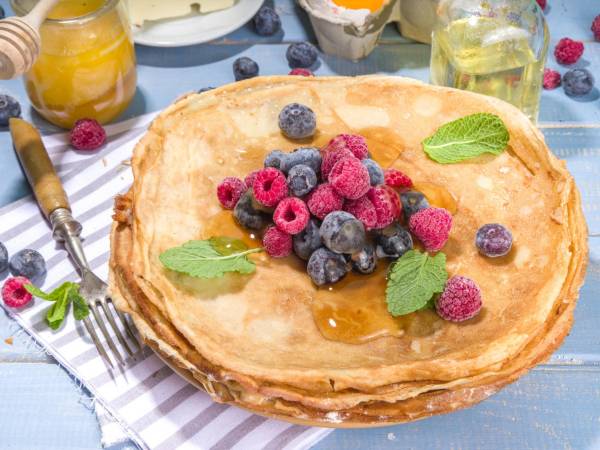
(43, 408)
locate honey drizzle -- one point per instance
(353, 310)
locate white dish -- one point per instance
(196, 28)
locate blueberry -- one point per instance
(297, 121)
(246, 213)
(301, 54)
(342, 232)
(301, 180)
(324, 267)
(412, 202)
(2, 13)
(29, 264)
(244, 68)
(3, 258)
(308, 240)
(205, 89)
(365, 260)
(9, 107)
(393, 241)
(267, 21)
(493, 240)
(375, 172)
(309, 156)
(577, 82)
(275, 159)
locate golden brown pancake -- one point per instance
(262, 340)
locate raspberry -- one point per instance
(270, 187)
(432, 227)
(249, 180)
(461, 299)
(291, 215)
(568, 51)
(396, 179)
(277, 243)
(551, 79)
(353, 142)
(364, 210)
(387, 205)
(542, 4)
(350, 178)
(14, 294)
(302, 72)
(323, 200)
(332, 155)
(229, 191)
(596, 27)
(87, 134)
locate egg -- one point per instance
(355, 12)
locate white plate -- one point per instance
(196, 28)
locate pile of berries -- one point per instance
(26, 266)
(334, 207)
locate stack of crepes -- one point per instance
(251, 340)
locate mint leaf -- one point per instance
(413, 280)
(56, 313)
(467, 137)
(36, 292)
(80, 307)
(62, 297)
(210, 258)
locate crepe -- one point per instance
(253, 340)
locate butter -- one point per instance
(143, 10)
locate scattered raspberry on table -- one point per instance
(568, 51)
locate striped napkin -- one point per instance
(154, 406)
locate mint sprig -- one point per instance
(466, 138)
(62, 297)
(210, 258)
(413, 281)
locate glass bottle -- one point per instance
(86, 67)
(494, 47)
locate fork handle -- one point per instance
(38, 168)
(67, 230)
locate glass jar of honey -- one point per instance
(86, 67)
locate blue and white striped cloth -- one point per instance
(154, 406)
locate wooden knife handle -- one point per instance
(38, 168)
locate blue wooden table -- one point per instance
(557, 405)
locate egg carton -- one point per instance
(354, 36)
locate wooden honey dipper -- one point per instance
(20, 40)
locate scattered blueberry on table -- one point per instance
(301, 55)
(578, 82)
(29, 264)
(9, 107)
(267, 21)
(244, 68)
(3, 258)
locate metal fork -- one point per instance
(67, 230)
(54, 203)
